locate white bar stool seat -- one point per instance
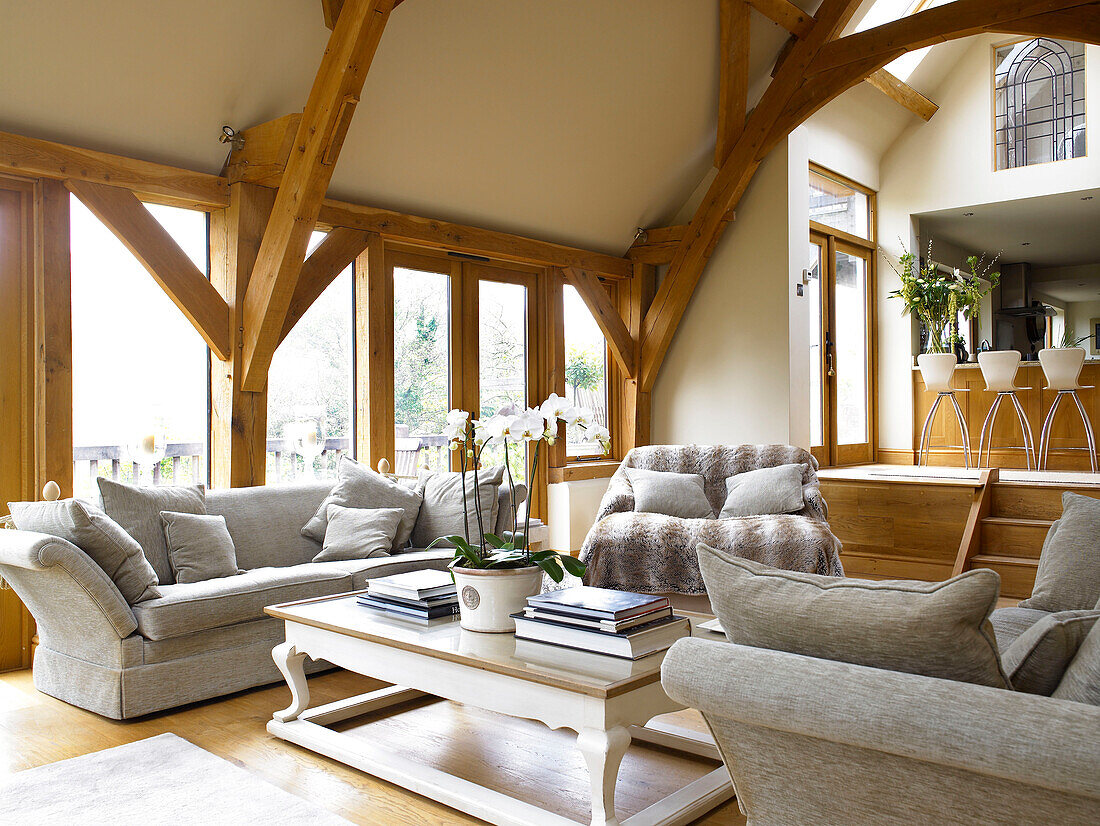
(1062, 368)
(937, 369)
(999, 369)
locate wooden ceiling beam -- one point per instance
(901, 92)
(501, 246)
(1081, 24)
(264, 153)
(607, 317)
(332, 256)
(733, 85)
(152, 181)
(961, 18)
(317, 144)
(659, 246)
(725, 191)
(786, 14)
(152, 245)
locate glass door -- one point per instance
(819, 347)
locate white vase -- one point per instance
(486, 597)
(936, 369)
(1062, 366)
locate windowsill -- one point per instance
(576, 471)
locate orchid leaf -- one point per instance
(572, 565)
(552, 567)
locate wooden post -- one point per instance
(634, 420)
(238, 419)
(374, 355)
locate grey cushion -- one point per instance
(442, 513)
(213, 603)
(137, 510)
(938, 629)
(765, 490)
(1081, 682)
(361, 487)
(358, 533)
(361, 570)
(1010, 623)
(266, 521)
(199, 546)
(671, 494)
(100, 537)
(1038, 658)
(1068, 578)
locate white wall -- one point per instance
(948, 163)
(728, 375)
(573, 507)
(1079, 316)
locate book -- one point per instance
(413, 584)
(631, 644)
(594, 622)
(599, 603)
(435, 612)
(428, 602)
(570, 662)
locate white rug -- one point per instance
(161, 780)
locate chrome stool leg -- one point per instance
(1029, 439)
(924, 430)
(987, 430)
(965, 431)
(1089, 437)
(1044, 436)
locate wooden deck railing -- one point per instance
(183, 463)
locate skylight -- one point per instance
(886, 11)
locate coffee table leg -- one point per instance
(291, 662)
(603, 752)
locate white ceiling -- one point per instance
(571, 120)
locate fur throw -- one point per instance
(652, 553)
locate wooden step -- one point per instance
(874, 564)
(1028, 500)
(1011, 537)
(1017, 573)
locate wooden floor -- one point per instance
(517, 757)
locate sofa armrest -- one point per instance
(60, 584)
(1026, 739)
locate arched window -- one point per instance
(1040, 102)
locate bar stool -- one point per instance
(999, 369)
(937, 369)
(1062, 367)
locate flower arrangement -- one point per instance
(936, 298)
(516, 429)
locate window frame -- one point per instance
(615, 378)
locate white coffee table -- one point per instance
(608, 702)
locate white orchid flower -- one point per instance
(457, 416)
(554, 408)
(529, 426)
(598, 433)
(509, 409)
(480, 432)
(582, 417)
(455, 431)
(501, 427)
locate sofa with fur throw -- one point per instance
(654, 553)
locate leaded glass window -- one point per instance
(1039, 86)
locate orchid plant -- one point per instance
(519, 430)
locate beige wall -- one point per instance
(948, 163)
(573, 508)
(1079, 315)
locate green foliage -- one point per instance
(421, 370)
(583, 368)
(507, 555)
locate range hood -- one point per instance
(1019, 323)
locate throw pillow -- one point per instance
(442, 513)
(938, 629)
(199, 546)
(1081, 682)
(671, 494)
(359, 533)
(100, 537)
(1068, 578)
(1037, 660)
(138, 509)
(361, 487)
(765, 490)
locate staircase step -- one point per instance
(1017, 573)
(1013, 537)
(1028, 500)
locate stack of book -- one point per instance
(618, 623)
(415, 595)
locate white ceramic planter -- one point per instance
(487, 597)
(936, 369)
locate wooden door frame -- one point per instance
(823, 453)
(855, 454)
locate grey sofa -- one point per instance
(198, 640)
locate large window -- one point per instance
(839, 205)
(309, 388)
(1039, 90)
(421, 369)
(502, 360)
(140, 369)
(586, 370)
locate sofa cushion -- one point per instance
(672, 494)
(764, 490)
(1081, 682)
(442, 512)
(361, 570)
(937, 629)
(1010, 623)
(199, 546)
(359, 533)
(137, 510)
(266, 521)
(213, 603)
(361, 487)
(1068, 578)
(1037, 660)
(100, 537)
